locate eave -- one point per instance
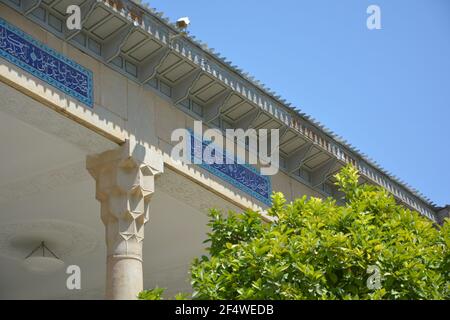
(141, 44)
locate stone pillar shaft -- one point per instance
(123, 278)
(124, 186)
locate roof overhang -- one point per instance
(142, 45)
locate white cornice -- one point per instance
(264, 98)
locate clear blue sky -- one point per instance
(385, 91)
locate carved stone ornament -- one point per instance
(124, 186)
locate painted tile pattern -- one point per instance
(242, 176)
(45, 63)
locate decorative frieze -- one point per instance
(242, 176)
(45, 63)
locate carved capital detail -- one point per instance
(124, 186)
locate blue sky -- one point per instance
(385, 91)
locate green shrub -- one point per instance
(318, 250)
(369, 248)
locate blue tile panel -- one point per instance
(45, 63)
(242, 176)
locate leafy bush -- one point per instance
(370, 248)
(318, 250)
(154, 294)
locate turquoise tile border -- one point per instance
(45, 63)
(242, 176)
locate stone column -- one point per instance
(125, 183)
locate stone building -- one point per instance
(86, 118)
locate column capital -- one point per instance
(125, 182)
(129, 152)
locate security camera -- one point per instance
(183, 23)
